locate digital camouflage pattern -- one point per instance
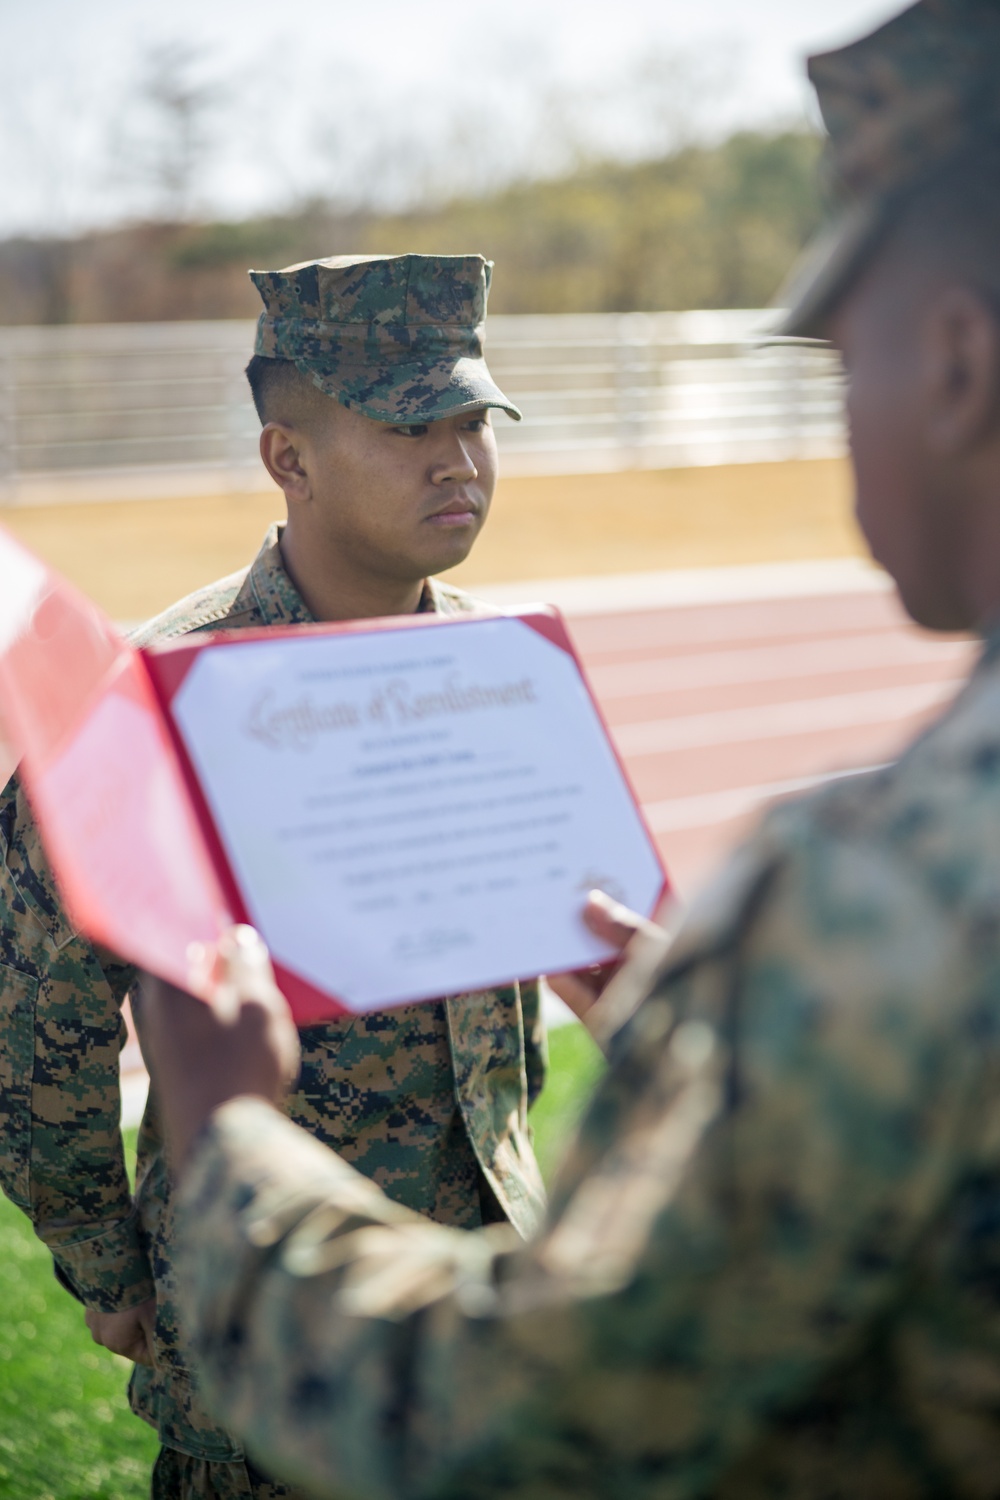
(898, 102)
(398, 337)
(770, 1266)
(897, 105)
(430, 1100)
(178, 1477)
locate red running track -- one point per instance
(719, 708)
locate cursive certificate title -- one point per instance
(297, 723)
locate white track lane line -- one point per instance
(134, 1087)
(677, 588)
(708, 808)
(774, 663)
(772, 721)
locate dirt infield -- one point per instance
(135, 557)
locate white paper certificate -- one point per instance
(414, 812)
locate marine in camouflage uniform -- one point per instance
(428, 1100)
(771, 1266)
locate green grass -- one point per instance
(66, 1432)
(575, 1066)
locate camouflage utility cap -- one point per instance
(396, 337)
(897, 104)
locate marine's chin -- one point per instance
(451, 547)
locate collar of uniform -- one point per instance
(279, 602)
(437, 599)
(273, 593)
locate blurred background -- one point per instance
(644, 174)
(228, 130)
(643, 178)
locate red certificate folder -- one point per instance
(404, 807)
(79, 714)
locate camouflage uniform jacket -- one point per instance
(429, 1100)
(771, 1264)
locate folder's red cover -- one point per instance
(80, 716)
(127, 828)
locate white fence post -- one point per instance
(127, 410)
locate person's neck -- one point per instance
(333, 592)
(977, 523)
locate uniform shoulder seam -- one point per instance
(207, 606)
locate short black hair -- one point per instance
(277, 387)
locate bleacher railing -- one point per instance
(134, 409)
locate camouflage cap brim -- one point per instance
(398, 338)
(826, 270)
(406, 393)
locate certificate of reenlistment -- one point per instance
(405, 808)
(412, 809)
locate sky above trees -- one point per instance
(115, 110)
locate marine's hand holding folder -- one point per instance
(403, 808)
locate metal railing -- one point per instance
(134, 409)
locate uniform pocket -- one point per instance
(18, 995)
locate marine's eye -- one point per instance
(410, 429)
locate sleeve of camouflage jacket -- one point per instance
(61, 1032)
(777, 1126)
(536, 1046)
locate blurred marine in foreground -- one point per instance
(771, 1266)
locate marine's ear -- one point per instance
(959, 353)
(281, 453)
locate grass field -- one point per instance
(136, 557)
(66, 1432)
(576, 1065)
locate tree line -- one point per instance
(704, 225)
